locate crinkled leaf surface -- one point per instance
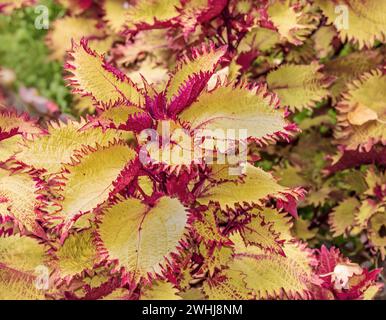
(89, 180)
(257, 186)
(127, 230)
(298, 86)
(236, 107)
(92, 75)
(51, 151)
(20, 200)
(360, 21)
(20, 258)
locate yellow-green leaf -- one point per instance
(160, 290)
(376, 238)
(349, 68)
(77, 254)
(115, 14)
(10, 146)
(20, 260)
(361, 21)
(302, 229)
(149, 12)
(362, 118)
(229, 285)
(20, 200)
(126, 232)
(257, 186)
(12, 122)
(342, 216)
(293, 25)
(68, 29)
(270, 276)
(203, 60)
(92, 75)
(236, 107)
(299, 86)
(207, 227)
(262, 234)
(89, 180)
(51, 151)
(261, 39)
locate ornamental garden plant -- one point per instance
(192, 149)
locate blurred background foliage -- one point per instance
(24, 51)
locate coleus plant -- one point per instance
(156, 27)
(7, 6)
(353, 216)
(145, 37)
(121, 17)
(98, 209)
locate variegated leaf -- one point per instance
(92, 75)
(89, 179)
(361, 22)
(299, 86)
(126, 234)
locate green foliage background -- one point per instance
(23, 50)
